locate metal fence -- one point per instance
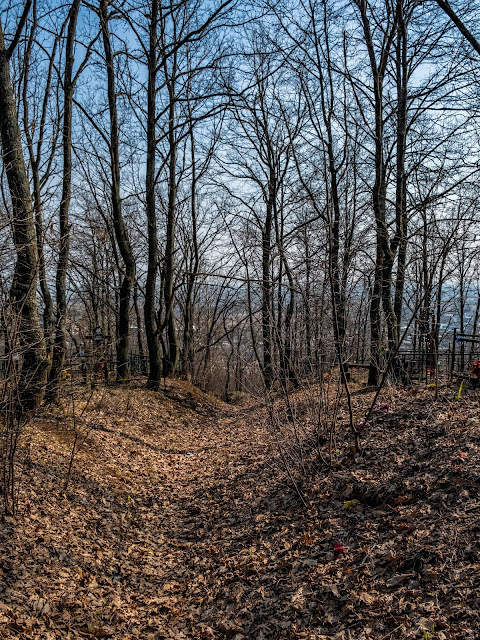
(448, 363)
(415, 365)
(94, 368)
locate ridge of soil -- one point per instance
(179, 522)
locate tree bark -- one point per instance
(381, 291)
(170, 358)
(121, 235)
(267, 368)
(23, 289)
(187, 356)
(151, 329)
(401, 180)
(35, 156)
(59, 346)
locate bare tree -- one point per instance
(23, 289)
(69, 80)
(121, 235)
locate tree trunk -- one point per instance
(23, 289)
(35, 157)
(381, 292)
(400, 239)
(121, 236)
(267, 368)
(187, 357)
(153, 342)
(59, 346)
(170, 358)
(138, 317)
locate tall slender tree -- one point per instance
(59, 347)
(24, 284)
(121, 235)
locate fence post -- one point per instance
(452, 363)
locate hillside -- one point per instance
(178, 522)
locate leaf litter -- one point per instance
(179, 522)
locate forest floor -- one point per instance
(179, 522)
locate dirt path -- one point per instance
(176, 525)
(131, 550)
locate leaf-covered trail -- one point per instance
(177, 525)
(158, 490)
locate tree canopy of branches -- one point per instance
(244, 194)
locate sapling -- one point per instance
(459, 393)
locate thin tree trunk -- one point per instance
(170, 358)
(153, 342)
(381, 292)
(138, 317)
(267, 368)
(121, 236)
(400, 239)
(187, 364)
(35, 158)
(59, 346)
(23, 289)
